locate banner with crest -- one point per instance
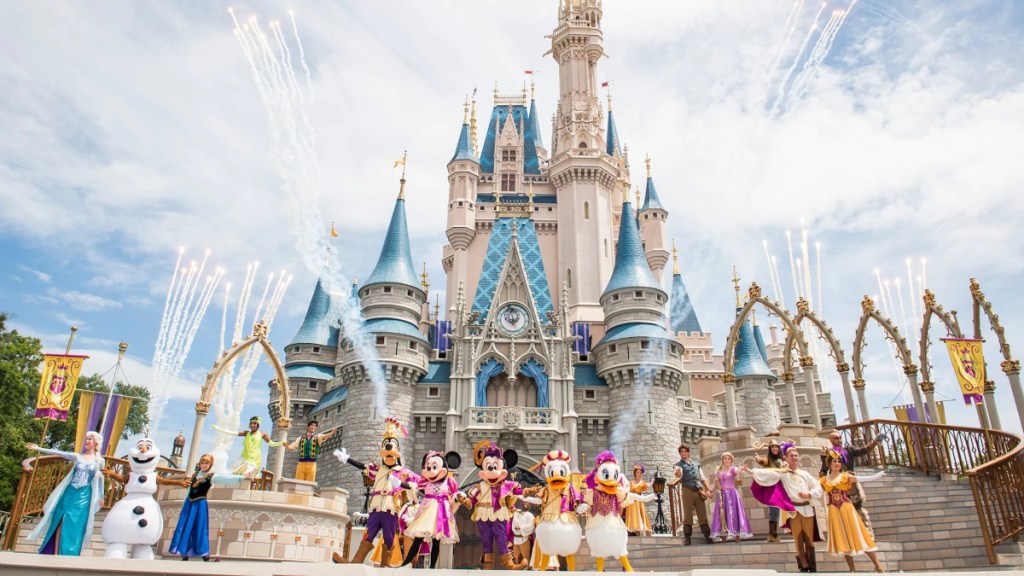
(57, 385)
(969, 365)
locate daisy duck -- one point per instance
(608, 494)
(559, 532)
(493, 502)
(384, 503)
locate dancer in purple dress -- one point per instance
(729, 503)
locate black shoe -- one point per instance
(206, 558)
(185, 558)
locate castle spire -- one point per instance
(675, 258)
(395, 263)
(682, 316)
(612, 146)
(401, 187)
(736, 286)
(631, 268)
(464, 148)
(651, 200)
(317, 327)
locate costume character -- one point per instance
(250, 462)
(192, 534)
(607, 494)
(695, 491)
(559, 532)
(847, 535)
(492, 501)
(637, 520)
(384, 496)
(435, 516)
(309, 446)
(71, 508)
(773, 459)
(729, 504)
(522, 536)
(135, 520)
(848, 454)
(791, 489)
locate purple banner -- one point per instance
(581, 346)
(109, 416)
(439, 335)
(96, 407)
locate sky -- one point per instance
(135, 132)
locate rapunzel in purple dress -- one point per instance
(729, 503)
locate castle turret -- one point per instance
(682, 316)
(756, 403)
(654, 227)
(392, 300)
(638, 358)
(463, 176)
(533, 129)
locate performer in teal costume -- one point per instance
(70, 509)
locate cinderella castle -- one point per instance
(561, 328)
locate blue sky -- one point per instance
(131, 130)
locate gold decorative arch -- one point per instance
(949, 320)
(892, 333)
(1009, 365)
(835, 350)
(793, 335)
(258, 337)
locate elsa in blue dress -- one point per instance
(70, 509)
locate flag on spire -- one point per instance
(604, 84)
(334, 231)
(399, 162)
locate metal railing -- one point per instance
(992, 461)
(29, 501)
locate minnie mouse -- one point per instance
(435, 517)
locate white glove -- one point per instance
(394, 481)
(582, 508)
(341, 455)
(531, 500)
(460, 495)
(643, 497)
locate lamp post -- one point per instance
(659, 526)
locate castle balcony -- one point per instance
(536, 427)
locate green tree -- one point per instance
(61, 435)
(19, 380)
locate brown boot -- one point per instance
(364, 549)
(687, 535)
(488, 563)
(706, 531)
(385, 556)
(509, 563)
(773, 532)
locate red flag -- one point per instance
(530, 72)
(604, 84)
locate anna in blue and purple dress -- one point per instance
(192, 535)
(72, 506)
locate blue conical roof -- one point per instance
(749, 362)
(534, 126)
(651, 200)
(759, 338)
(682, 316)
(317, 327)
(612, 145)
(395, 263)
(631, 268)
(464, 149)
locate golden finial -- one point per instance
(675, 258)
(529, 195)
(609, 100)
(437, 306)
(495, 90)
(531, 87)
(647, 162)
(401, 189)
(736, 285)
(637, 194)
(424, 279)
(355, 280)
(524, 88)
(472, 124)
(867, 304)
(465, 110)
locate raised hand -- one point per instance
(341, 455)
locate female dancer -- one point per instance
(730, 503)
(70, 509)
(773, 459)
(847, 535)
(637, 521)
(192, 535)
(251, 461)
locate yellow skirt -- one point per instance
(637, 520)
(847, 535)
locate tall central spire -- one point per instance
(577, 45)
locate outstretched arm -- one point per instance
(51, 452)
(227, 432)
(343, 456)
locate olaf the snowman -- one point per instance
(135, 520)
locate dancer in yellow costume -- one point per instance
(637, 520)
(250, 462)
(847, 535)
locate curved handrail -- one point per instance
(992, 461)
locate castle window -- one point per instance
(412, 345)
(433, 392)
(645, 344)
(508, 182)
(568, 277)
(638, 294)
(409, 293)
(380, 340)
(590, 394)
(613, 348)
(586, 210)
(314, 385)
(646, 216)
(316, 349)
(605, 247)
(460, 203)
(508, 155)
(583, 144)
(482, 208)
(550, 209)
(615, 297)
(386, 289)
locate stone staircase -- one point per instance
(921, 523)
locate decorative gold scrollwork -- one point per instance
(927, 386)
(867, 304)
(858, 383)
(1010, 366)
(202, 407)
(910, 369)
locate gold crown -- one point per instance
(393, 429)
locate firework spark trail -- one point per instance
(817, 55)
(164, 318)
(179, 337)
(792, 265)
(903, 308)
(783, 40)
(302, 56)
(796, 61)
(804, 247)
(778, 282)
(175, 318)
(771, 271)
(224, 318)
(910, 294)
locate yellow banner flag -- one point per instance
(57, 385)
(969, 365)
